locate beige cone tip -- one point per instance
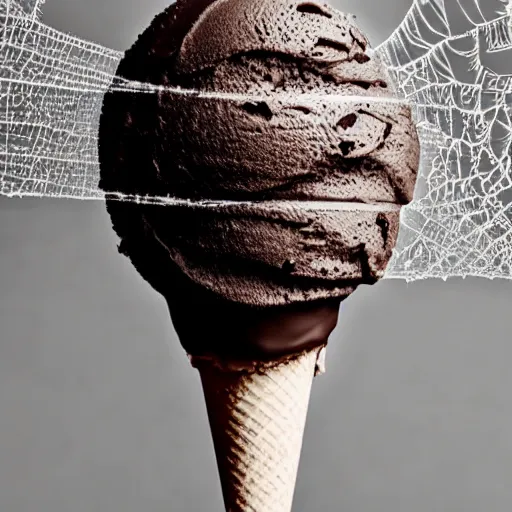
(257, 419)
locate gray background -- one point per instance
(100, 411)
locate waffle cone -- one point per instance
(257, 418)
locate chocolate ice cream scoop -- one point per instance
(278, 110)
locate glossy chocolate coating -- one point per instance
(204, 320)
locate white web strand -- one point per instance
(51, 91)
(460, 223)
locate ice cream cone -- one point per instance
(257, 417)
(282, 177)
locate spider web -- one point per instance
(451, 59)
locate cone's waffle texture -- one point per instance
(257, 420)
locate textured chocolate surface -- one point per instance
(268, 253)
(285, 147)
(299, 124)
